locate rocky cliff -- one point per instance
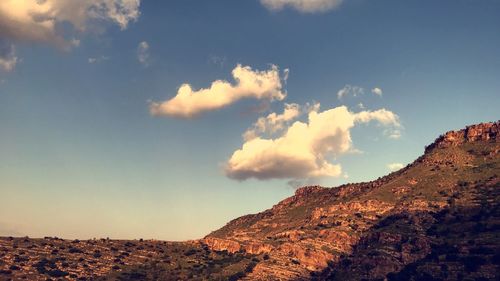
(473, 133)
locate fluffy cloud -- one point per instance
(305, 6)
(273, 122)
(8, 58)
(303, 149)
(349, 90)
(249, 83)
(394, 166)
(383, 116)
(377, 91)
(35, 20)
(45, 21)
(143, 53)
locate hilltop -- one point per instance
(436, 219)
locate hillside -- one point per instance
(436, 219)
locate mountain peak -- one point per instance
(478, 132)
(305, 190)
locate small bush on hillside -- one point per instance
(472, 263)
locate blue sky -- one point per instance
(83, 156)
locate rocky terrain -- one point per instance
(53, 258)
(436, 219)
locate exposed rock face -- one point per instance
(258, 248)
(300, 197)
(218, 244)
(479, 132)
(375, 230)
(231, 246)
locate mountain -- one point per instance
(436, 219)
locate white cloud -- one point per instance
(143, 53)
(249, 83)
(305, 6)
(383, 116)
(75, 42)
(394, 166)
(394, 134)
(313, 106)
(8, 57)
(350, 90)
(303, 149)
(273, 122)
(37, 21)
(97, 59)
(47, 21)
(377, 91)
(217, 60)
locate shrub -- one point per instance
(472, 263)
(481, 250)
(74, 250)
(495, 259)
(57, 273)
(250, 267)
(190, 252)
(236, 276)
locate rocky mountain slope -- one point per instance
(436, 219)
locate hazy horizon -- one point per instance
(100, 136)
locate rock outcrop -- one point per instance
(473, 133)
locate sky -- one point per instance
(166, 119)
